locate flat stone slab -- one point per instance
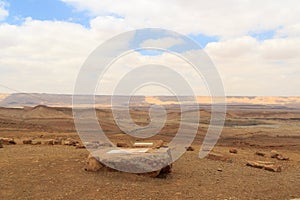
(136, 160)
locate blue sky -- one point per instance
(249, 42)
(44, 10)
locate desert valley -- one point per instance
(256, 157)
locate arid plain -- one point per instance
(255, 128)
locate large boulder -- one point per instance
(140, 161)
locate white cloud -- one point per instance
(222, 18)
(238, 47)
(3, 11)
(165, 43)
(249, 67)
(281, 49)
(45, 56)
(127, 64)
(292, 30)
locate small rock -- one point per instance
(91, 145)
(7, 141)
(219, 170)
(235, 151)
(49, 142)
(266, 162)
(190, 148)
(80, 146)
(274, 154)
(70, 142)
(157, 144)
(36, 142)
(278, 156)
(104, 144)
(57, 141)
(281, 157)
(261, 165)
(216, 156)
(272, 168)
(93, 164)
(1, 145)
(260, 153)
(27, 141)
(122, 144)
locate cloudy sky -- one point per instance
(255, 45)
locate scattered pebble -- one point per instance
(234, 151)
(258, 153)
(190, 148)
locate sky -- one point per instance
(254, 45)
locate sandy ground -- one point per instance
(57, 171)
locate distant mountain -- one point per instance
(62, 100)
(32, 99)
(59, 100)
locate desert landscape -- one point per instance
(256, 157)
(158, 100)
